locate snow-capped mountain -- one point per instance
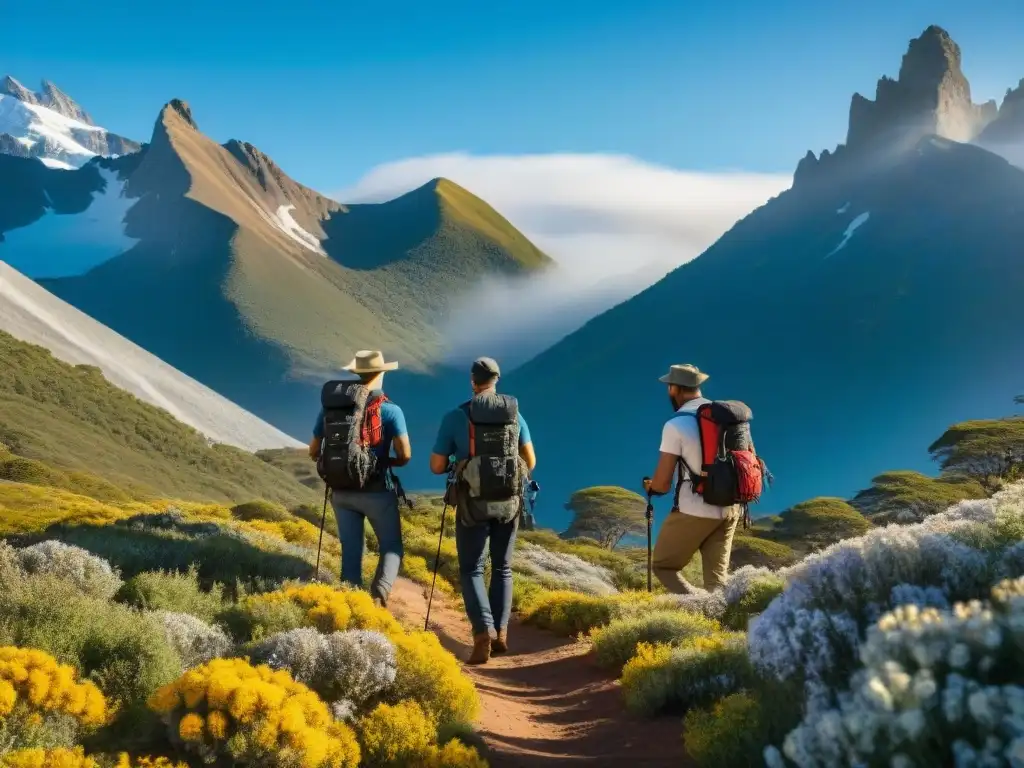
(50, 126)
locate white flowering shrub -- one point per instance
(350, 669)
(813, 630)
(746, 592)
(938, 687)
(558, 570)
(195, 641)
(91, 574)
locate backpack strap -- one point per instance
(681, 463)
(465, 408)
(372, 434)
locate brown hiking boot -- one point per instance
(481, 648)
(500, 643)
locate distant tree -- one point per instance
(991, 451)
(606, 514)
(910, 496)
(820, 522)
(751, 549)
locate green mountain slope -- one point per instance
(72, 418)
(243, 278)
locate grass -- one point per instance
(98, 439)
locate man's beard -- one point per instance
(675, 405)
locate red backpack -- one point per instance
(730, 472)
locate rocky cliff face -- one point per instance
(1008, 127)
(931, 96)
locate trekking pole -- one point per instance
(650, 521)
(323, 522)
(440, 539)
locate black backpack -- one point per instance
(352, 427)
(491, 480)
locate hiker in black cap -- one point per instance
(489, 443)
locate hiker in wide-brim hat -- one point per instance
(367, 362)
(357, 401)
(693, 525)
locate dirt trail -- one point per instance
(545, 703)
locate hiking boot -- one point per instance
(500, 643)
(481, 648)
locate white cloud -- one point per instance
(613, 223)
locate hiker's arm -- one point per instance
(444, 447)
(526, 444)
(668, 459)
(318, 436)
(661, 483)
(526, 451)
(395, 420)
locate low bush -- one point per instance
(570, 613)
(43, 703)
(729, 734)
(261, 510)
(228, 710)
(124, 651)
(61, 757)
(400, 735)
(615, 644)
(90, 574)
(350, 669)
(255, 619)
(563, 571)
(752, 597)
(663, 678)
(760, 553)
(937, 687)
(430, 675)
(195, 641)
(173, 591)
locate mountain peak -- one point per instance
(49, 96)
(930, 96)
(11, 87)
(53, 97)
(178, 110)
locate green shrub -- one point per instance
(759, 593)
(262, 510)
(663, 678)
(124, 651)
(255, 620)
(172, 591)
(727, 734)
(615, 644)
(314, 514)
(820, 522)
(760, 553)
(225, 557)
(570, 613)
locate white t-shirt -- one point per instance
(681, 437)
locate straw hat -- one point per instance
(369, 361)
(689, 376)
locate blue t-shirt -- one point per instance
(392, 420)
(453, 436)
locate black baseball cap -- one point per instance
(485, 368)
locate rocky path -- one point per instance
(545, 703)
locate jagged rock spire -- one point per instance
(930, 96)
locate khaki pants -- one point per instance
(679, 539)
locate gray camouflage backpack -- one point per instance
(491, 480)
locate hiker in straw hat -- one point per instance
(693, 525)
(375, 498)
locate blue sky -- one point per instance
(332, 89)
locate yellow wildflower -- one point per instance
(191, 727)
(217, 724)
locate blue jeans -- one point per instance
(487, 609)
(351, 508)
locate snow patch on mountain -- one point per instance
(290, 227)
(32, 314)
(856, 224)
(283, 221)
(48, 133)
(64, 245)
